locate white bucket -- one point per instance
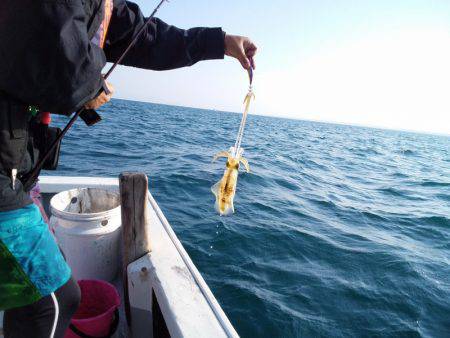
(87, 225)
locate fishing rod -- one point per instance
(34, 173)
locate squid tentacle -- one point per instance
(244, 161)
(220, 154)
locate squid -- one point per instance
(225, 189)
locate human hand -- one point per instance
(241, 48)
(101, 99)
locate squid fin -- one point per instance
(245, 163)
(215, 189)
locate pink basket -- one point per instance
(97, 315)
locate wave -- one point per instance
(407, 152)
(399, 193)
(440, 221)
(434, 184)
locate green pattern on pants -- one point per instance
(16, 289)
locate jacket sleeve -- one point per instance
(60, 69)
(161, 46)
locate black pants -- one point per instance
(49, 315)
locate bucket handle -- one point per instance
(112, 329)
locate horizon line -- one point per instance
(300, 119)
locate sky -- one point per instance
(374, 63)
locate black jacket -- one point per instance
(47, 59)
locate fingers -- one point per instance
(247, 51)
(91, 105)
(110, 87)
(241, 48)
(104, 98)
(245, 62)
(250, 52)
(101, 99)
(107, 97)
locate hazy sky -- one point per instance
(376, 63)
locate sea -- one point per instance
(338, 231)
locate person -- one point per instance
(52, 54)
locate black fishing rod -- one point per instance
(34, 173)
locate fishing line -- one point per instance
(237, 145)
(240, 134)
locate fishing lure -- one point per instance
(225, 189)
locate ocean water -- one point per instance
(339, 231)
